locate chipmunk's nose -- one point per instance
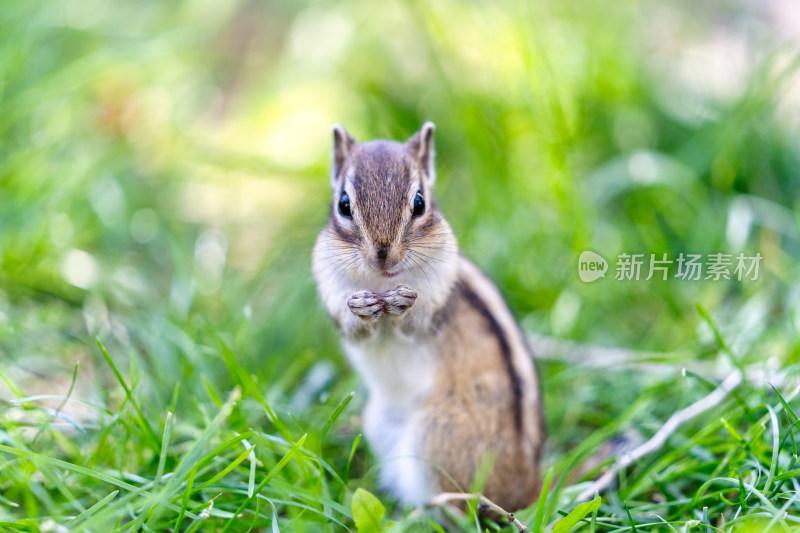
(383, 259)
(383, 253)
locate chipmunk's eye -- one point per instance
(419, 205)
(344, 206)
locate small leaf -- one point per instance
(368, 512)
(567, 523)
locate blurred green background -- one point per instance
(164, 171)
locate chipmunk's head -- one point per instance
(383, 215)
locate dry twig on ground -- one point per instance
(660, 438)
(443, 498)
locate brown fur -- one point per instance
(475, 411)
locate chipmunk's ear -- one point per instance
(343, 143)
(421, 146)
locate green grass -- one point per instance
(164, 362)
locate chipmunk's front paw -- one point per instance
(366, 305)
(399, 300)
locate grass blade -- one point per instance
(91, 510)
(60, 405)
(250, 387)
(185, 502)
(58, 463)
(236, 462)
(350, 458)
(142, 419)
(272, 473)
(630, 518)
(162, 459)
(336, 412)
(541, 505)
(251, 481)
(776, 442)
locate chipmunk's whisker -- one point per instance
(341, 262)
(432, 267)
(423, 271)
(434, 249)
(417, 252)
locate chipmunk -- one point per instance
(449, 377)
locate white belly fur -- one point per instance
(399, 374)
